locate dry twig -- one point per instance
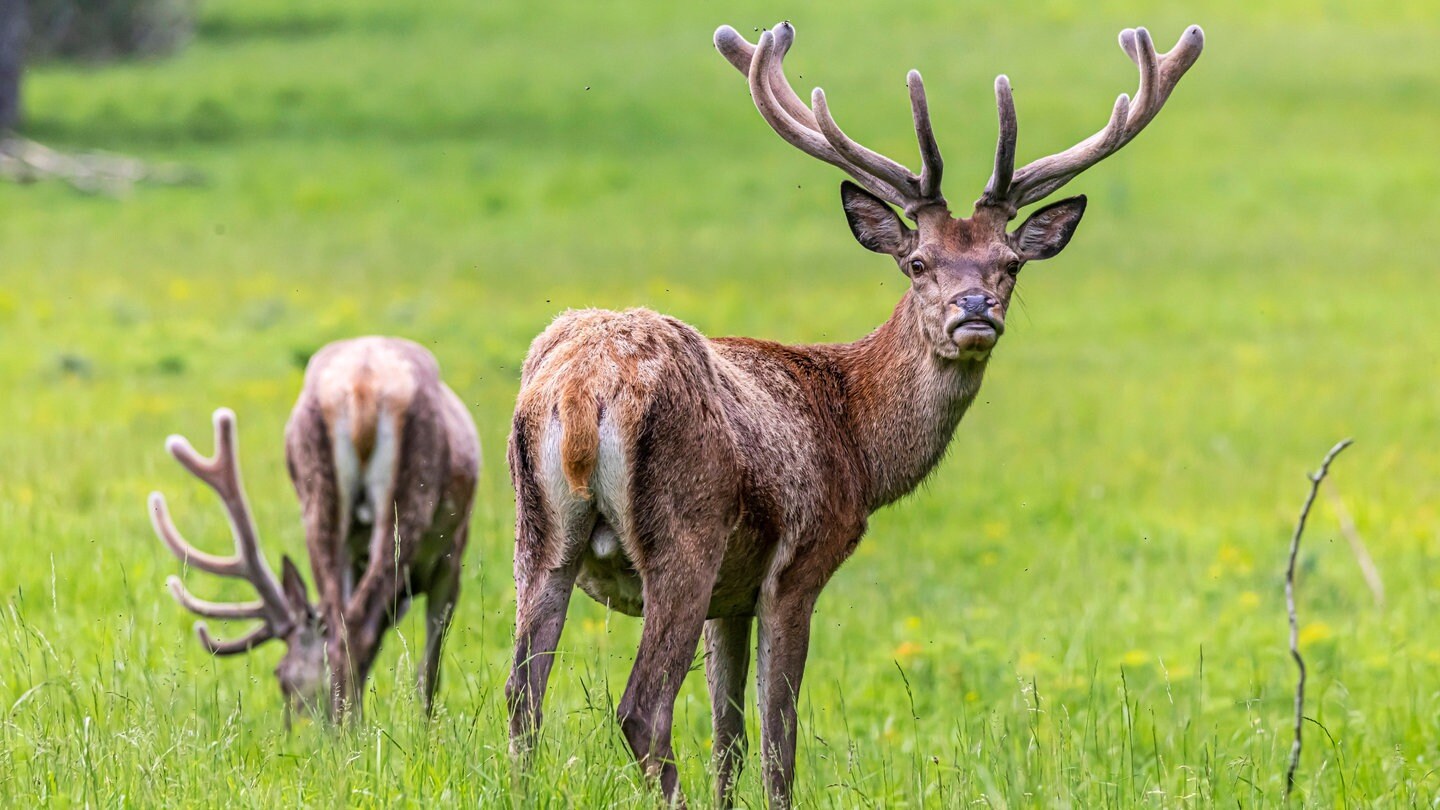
(1315, 479)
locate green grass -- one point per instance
(1082, 608)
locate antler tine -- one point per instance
(897, 176)
(247, 541)
(741, 54)
(931, 165)
(245, 643)
(1040, 178)
(813, 131)
(1163, 71)
(780, 88)
(219, 610)
(1159, 73)
(735, 48)
(805, 138)
(999, 185)
(785, 125)
(199, 466)
(188, 554)
(213, 610)
(222, 474)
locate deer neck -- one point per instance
(904, 402)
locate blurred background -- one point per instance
(1084, 605)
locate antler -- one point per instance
(813, 130)
(222, 473)
(1159, 73)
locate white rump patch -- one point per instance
(611, 481)
(347, 464)
(609, 486)
(380, 470)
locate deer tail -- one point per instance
(579, 412)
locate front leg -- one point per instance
(784, 629)
(727, 661)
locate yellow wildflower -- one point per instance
(1315, 632)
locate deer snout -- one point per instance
(974, 323)
(972, 305)
(974, 311)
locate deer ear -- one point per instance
(875, 224)
(1048, 230)
(293, 584)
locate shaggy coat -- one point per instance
(384, 458)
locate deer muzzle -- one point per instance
(973, 325)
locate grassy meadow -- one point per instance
(1082, 608)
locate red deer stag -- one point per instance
(709, 483)
(384, 458)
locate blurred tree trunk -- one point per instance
(12, 62)
(159, 25)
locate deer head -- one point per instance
(283, 608)
(962, 271)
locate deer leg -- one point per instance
(439, 610)
(674, 614)
(677, 577)
(727, 659)
(401, 522)
(542, 598)
(784, 630)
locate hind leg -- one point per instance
(405, 505)
(680, 532)
(541, 599)
(545, 571)
(677, 595)
(439, 611)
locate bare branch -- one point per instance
(1315, 479)
(25, 161)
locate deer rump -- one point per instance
(628, 432)
(366, 394)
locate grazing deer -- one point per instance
(712, 483)
(384, 458)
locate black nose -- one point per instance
(974, 304)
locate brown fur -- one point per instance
(708, 485)
(740, 473)
(356, 394)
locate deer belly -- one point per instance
(609, 577)
(607, 574)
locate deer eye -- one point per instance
(1013, 267)
(916, 267)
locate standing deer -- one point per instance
(710, 484)
(384, 458)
